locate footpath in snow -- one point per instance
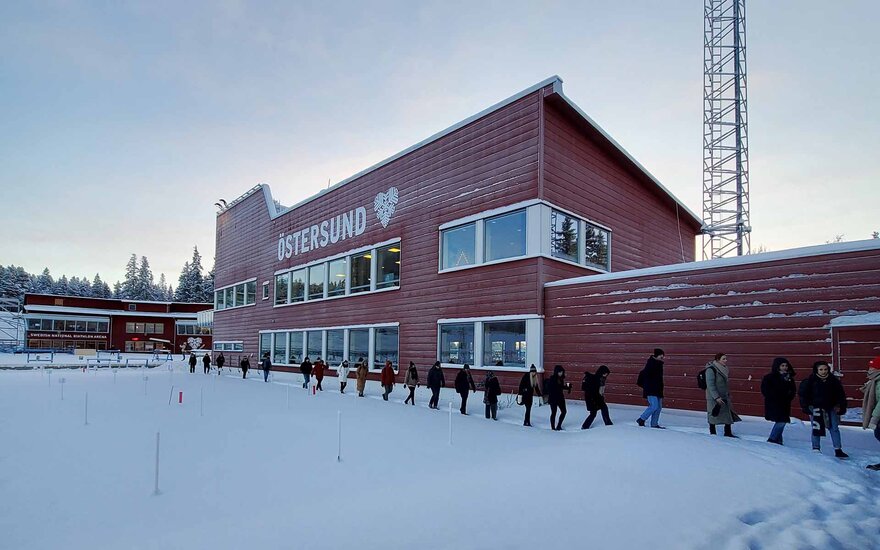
(254, 465)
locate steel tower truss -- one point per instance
(725, 131)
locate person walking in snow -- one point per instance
(871, 402)
(593, 387)
(719, 408)
(778, 389)
(342, 375)
(412, 382)
(206, 363)
(823, 399)
(435, 382)
(266, 363)
(244, 365)
(464, 382)
(192, 363)
(318, 371)
(387, 379)
(492, 390)
(306, 369)
(361, 372)
(651, 381)
(554, 388)
(220, 361)
(528, 388)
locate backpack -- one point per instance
(640, 381)
(701, 378)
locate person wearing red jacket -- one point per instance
(318, 371)
(387, 379)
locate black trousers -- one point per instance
(318, 387)
(435, 398)
(207, 368)
(244, 373)
(492, 408)
(605, 417)
(464, 397)
(192, 368)
(412, 396)
(553, 408)
(527, 403)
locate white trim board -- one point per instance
(378, 325)
(793, 253)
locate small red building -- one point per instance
(75, 323)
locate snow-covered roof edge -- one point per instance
(126, 300)
(554, 81)
(40, 308)
(856, 320)
(819, 250)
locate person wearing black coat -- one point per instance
(192, 363)
(554, 388)
(593, 387)
(651, 382)
(220, 361)
(778, 389)
(206, 362)
(267, 365)
(435, 382)
(492, 388)
(464, 382)
(528, 388)
(244, 365)
(306, 369)
(822, 397)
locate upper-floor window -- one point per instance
(360, 272)
(337, 272)
(564, 236)
(388, 266)
(316, 281)
(596, 247)
(297, 286)
(281, 288)
(505, 236)
(266, 290)
(459, 246)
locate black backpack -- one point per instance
(701, 378)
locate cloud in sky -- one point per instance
(122, 123)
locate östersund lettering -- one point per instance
(344, 226)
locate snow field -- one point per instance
(254, 473)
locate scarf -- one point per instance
(869, 400)
(723, 370)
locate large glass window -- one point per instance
(265, 345)
(388, 266)
(58, 325)
(296, 355)
(239, 294)
(70, 326)
(337, 272)
(358, 344)
(505, 236)
(316, 344)
(250, 292)
(230, 296)
(504, 344)
(219, 302)
(281, 288)
(457, 343)
(279, 349)
(596, 243)
(386, 347)
(316, 281)
(297, 285)
(33, 324)
(564, 236)
(102, 326)
(459, 246)
(335, 345)
(360, 272)
(46, 324)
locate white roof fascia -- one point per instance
(267, 193)
(792, 253)
(36, 308)
(868, 319)
(626, 153)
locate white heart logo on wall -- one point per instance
(385, 204)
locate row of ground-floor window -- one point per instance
(131, 346)
(513, 342)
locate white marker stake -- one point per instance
(170, 395)
(288, 396)
(62, 389)
(145, 384)
(50, 378)
(450, 422)
(114, 377)
(87, 409)
(156, 486)
(201, 400)
(339, 429)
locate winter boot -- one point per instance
(840, 454)
(712, 430)
(640, 422)
(728, 431)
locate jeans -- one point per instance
(265, 375)
(832, 428)
(388, 389)
(463, 408)
(776, 432)
(435, 398)
(877, 432)
(306, 380)
(492, 409)
(655, 405)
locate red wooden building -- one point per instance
(76, 323)
(445, 250)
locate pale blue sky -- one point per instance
(121, 123)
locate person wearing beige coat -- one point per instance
(719, 407)
(361, 373)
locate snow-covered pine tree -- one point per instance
(208, 287)
(62, 286)
(44, 283)
(100, 288)
(161, 289)
(129, 285)
(117, 290)
(143, 288)
(183, 291)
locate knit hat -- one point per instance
(874, 363)
(658, 352)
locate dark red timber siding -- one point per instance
(493, 160)
(751, 308)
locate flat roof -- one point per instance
(554, 81)
(126, 300)
(39, 308)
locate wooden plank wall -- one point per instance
(751, 312)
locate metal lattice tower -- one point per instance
(725, 131)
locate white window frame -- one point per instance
(346, 340)
(534, 341)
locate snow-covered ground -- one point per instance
(255, 472)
